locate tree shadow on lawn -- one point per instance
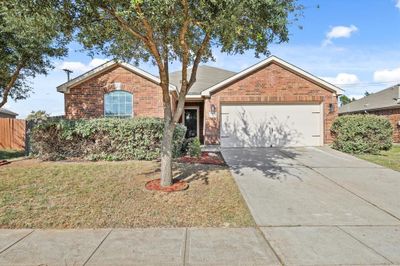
(189, 172)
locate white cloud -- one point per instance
(398, 4)
(342, 78)
(387, 75)
(79, 67)
(339, 32)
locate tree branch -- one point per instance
(123, 23)
(185, 47)
(10, 84)
(182, 95)
(197, 59)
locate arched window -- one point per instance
(118, 104)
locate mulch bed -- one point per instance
(4, 162)
(205, 158)
(155, 184)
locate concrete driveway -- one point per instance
(320, 206)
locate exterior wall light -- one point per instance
(213, 109)
(331, 108)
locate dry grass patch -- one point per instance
(37, 194)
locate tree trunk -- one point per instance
(166, 154)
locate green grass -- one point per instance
(10, 154)
(389, 159)
(35, 194)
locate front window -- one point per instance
(118, 104)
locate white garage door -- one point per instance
(271, 125)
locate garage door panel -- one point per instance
(270, 125)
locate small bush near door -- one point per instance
(103, 139)
(362, 134)
(191, 147)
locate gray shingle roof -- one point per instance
(207, 76)
(7, 112)
(384, 99)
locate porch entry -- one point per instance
(191, 120)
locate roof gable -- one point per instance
(105, 67)
(266, 62)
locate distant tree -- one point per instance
(31, 34)
(345, 100)
(38, 117)
(367, 93)
(180, 30)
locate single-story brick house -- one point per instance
(385, 102)
(272, 103)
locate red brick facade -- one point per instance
(394, 117)
(86, 100)
(272, 84)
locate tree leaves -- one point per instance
(31, 34)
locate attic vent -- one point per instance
(117, 85)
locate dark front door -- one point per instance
(191, 123)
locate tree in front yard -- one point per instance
(187, 31)
(31, 34)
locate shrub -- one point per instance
(102, 139)
(362, 134)
(193, 147)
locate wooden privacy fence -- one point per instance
(12, 133)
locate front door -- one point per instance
(191, 122)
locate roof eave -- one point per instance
(64, 88)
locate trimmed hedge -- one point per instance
(102, 139)
(362, 134)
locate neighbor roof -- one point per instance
(269, 60)
(206, 77)
(104, 67)
(384, 99)
(7, 112)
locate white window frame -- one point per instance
(104, 104)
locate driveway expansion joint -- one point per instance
(362, 243)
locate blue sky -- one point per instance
(354, 44)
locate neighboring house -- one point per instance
(4, 113)
(385, 102)
(272, 103)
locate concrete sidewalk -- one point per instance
(305, 245)
(178, 246)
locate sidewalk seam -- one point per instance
(364, 244)
(13, 244)
(185, 248)
(269, 245)
(98, 246)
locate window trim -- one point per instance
(116, 116)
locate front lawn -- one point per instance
(10, 154)
(38, 194)
(389, 159)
